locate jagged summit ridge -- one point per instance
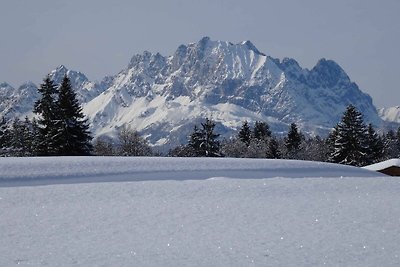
(163, 96)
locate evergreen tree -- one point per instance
(350, 142)
(245, 133)
(47, 109)
(391, 145)
(273, 151)
(73, 136)
(204, 142)
(195, 141)
(261, 130)
(293, 141)
(4, 137)
(374, 145)
(330, 143)
(21, 138)
(209, 146)
(35, 135)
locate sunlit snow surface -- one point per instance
(189, 212)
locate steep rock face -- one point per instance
(163, 97)
(229, 82)
(85, 89)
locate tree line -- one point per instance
(351, 142)
(61, 129)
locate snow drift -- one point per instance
(188, 212)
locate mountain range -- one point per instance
(163, 97)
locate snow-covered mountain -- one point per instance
(163, 97)
(17, 102)
(391, 114)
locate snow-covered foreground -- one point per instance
(189, 212)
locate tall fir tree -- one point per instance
(273, 151)
(374, 146)
(210, 145)
(245, 133)
(195, 141)
(293, 141)
(48, 121)
(4, 137)
(350, 141)
(391, 145)
(204, 142)
(21, 138)
(73, 137)
(261, 130)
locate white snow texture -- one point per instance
(102, 211)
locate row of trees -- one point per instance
(60, 129)
(351, 142)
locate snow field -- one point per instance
(210, 221)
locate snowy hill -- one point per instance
(190, 212)
(163, 97)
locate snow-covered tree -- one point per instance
(195, 141)
(204, 142)
(21, 138)
(350, 142)
(391, 145)
(210, 145)
(4, 137)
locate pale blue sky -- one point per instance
(99, 37)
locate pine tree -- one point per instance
(21, 138)
(4, 137)
(47, 109)
(204, 142)
(391, 144)
(273, 151)
(261, 130)
(374, 145)
(330, 143)
(209, 146)
(195, 141)
(350, 142)
(293, 141)
(245, 133)
(73, 136)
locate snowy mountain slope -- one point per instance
(179, 221)
(163, 97)
(391, 114)
(85, 89)
(17, 102)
